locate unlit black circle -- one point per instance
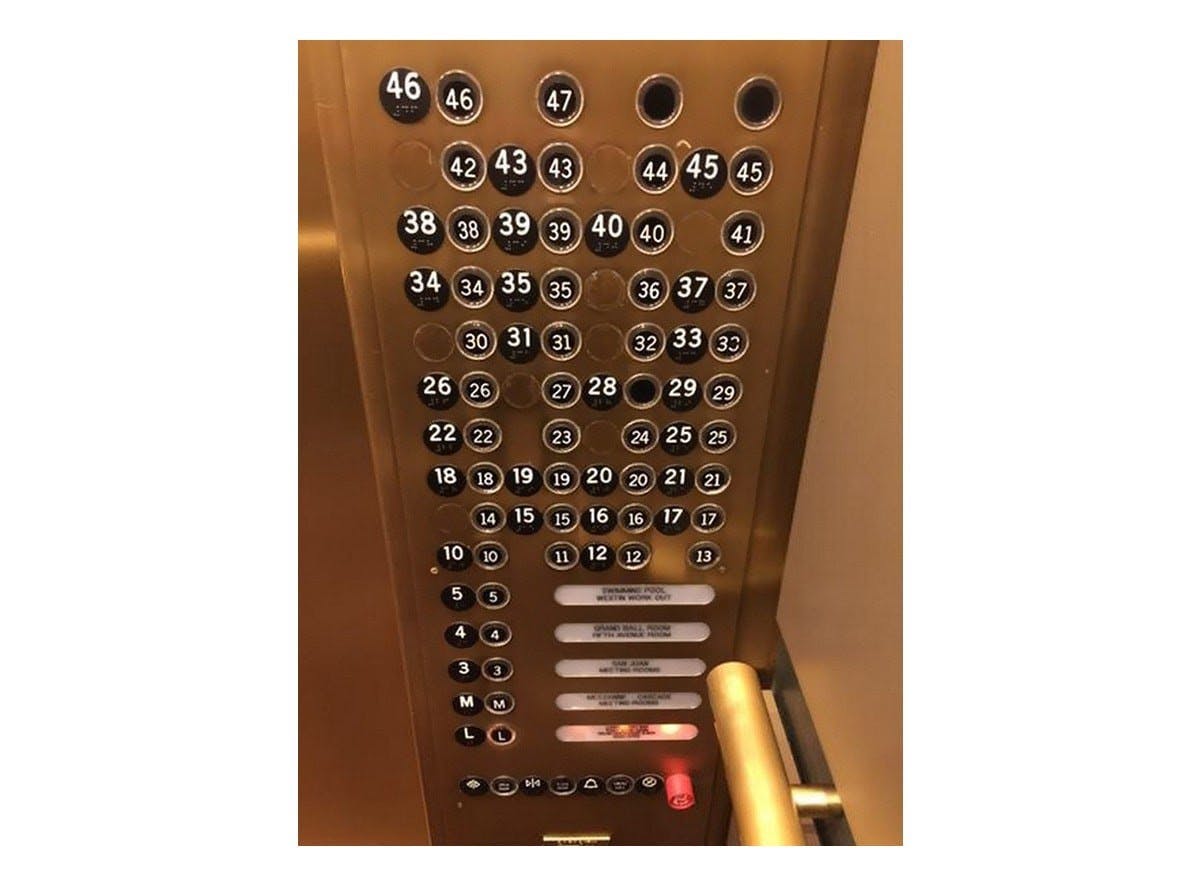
(642, 391)
(659, 101)
(403, 109)
(757, 104)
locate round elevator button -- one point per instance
(468, 735)
(501, 734)
(467, 704)
(649, 784)
(591, 785)
(504, 786)
(533, 786)
(562, 786)
(620, 784)
(473, 786)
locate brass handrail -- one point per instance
(765, 805)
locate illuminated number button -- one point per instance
(671, 520)
(504, 786)
(445, 480)
(591, 785)
(493, 596)
(466, 704)
(561, 340)
(510, 170)
(426, 289)
(652, 231)
(437, 391)
(736, 289)
(642, 391)
(524, 520)
(633, 555)
(562, 786)
(468, 228)
(560, 390)
(523, 480)
(704, 555)
(562, 555)
(562, 518)
(596, 556)
(639, 436)
(517, 290)
(458, 597)
(562, 478)
(606, 234)
(461, 635)
(560, 435)
(750, 171)
(463, 670)
(468, 735)
(675, 480)
(561, 288)
(637, 478)
(723, 391)
(708, 518)
(515, 231)
(560, 167)
(602, 392)
(476, 340)
(619, 784)
(704, 173)
(404, 95)
(472, 287)
(487, 517)
(559, 230)
(459, 97)
(598, 520)
(635, 518)
(479, 389)
(442, 438)
(497, 669)
(718, 436)
(499, 703)
(495, 634)
(712, 479)
(491, 555)
(420, 230)
(742, 233)
(681, 393)
(559, 98)
(686, 344)
(645, 342)
(463, 166)
(533, 786)
(649, 784)
(648, 289)
(729, 343)
(485, 477)
(654, 169)
(599, 480)
(678, 438)
(519, 343)
(453, 556)
(483, 435)
(692, 292)
(474, 786)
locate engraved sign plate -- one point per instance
(635, 701)
(630, 632)
(629, 668)
(632, 595)
(626, 732)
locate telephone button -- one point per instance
(467, 704)
(649, 784)
(591, 785)
(562, 786)
(504, 786)
(619, 784)
(533, 786)
(473, 786)
(468, 735)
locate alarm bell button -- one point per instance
(680, 795)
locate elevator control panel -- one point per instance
(573, 263)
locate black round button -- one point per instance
(642, 391)
(472, 287)
(648, 289)
(562, 518)
(517, 290)
(560, 435)
(633, 555)
(499, 703)
(718, 436)
(639, 436)
(437, 391)
(637, 478)
(599, 480)
(485, 477)
(510, 170)
(654, 169)
(659, 100)
(519, 343)
(602, 391)
(466, 704)
(729, 343)
(458, 597)
(620, 784)
(736, 289)
(562, 478)
(491, 555)
(591, 785)
(404, 95)
(562, 555)
(681, 393)
(533, 786)
(468, 228)
(463, 166)
(703, 173)
(596, 556)
(645, 341)
(479, 389)
(487, 517)
(635, 518)
(723, 391)
(524, 520)
(757, 103)
(559, 98)
(501, 734)
(742, 233)
(562, 786)
(442, 438)
(461, 635)
(560, 390)
(750, 171)
(704, 555)
(686, 344)
(475, 340)
(560, 167)
(606, 234)
(483, 435)
(463, 670)
(678, 438)
(453, 556)
(497, 669)
(649, 784)
(427, 289)
(446, 480)
(504, 786)
(708, 518)
(675, 480)
(420, 229)
(493, 595)
(474, 786)
(559, 230)
(671, 520)
(459, 97)
(561, 288)
(515, 231)
(561, 340)
(598, 520)
(653, 231)
(712, 479)
(692, 291)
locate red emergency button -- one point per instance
(680, 795)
